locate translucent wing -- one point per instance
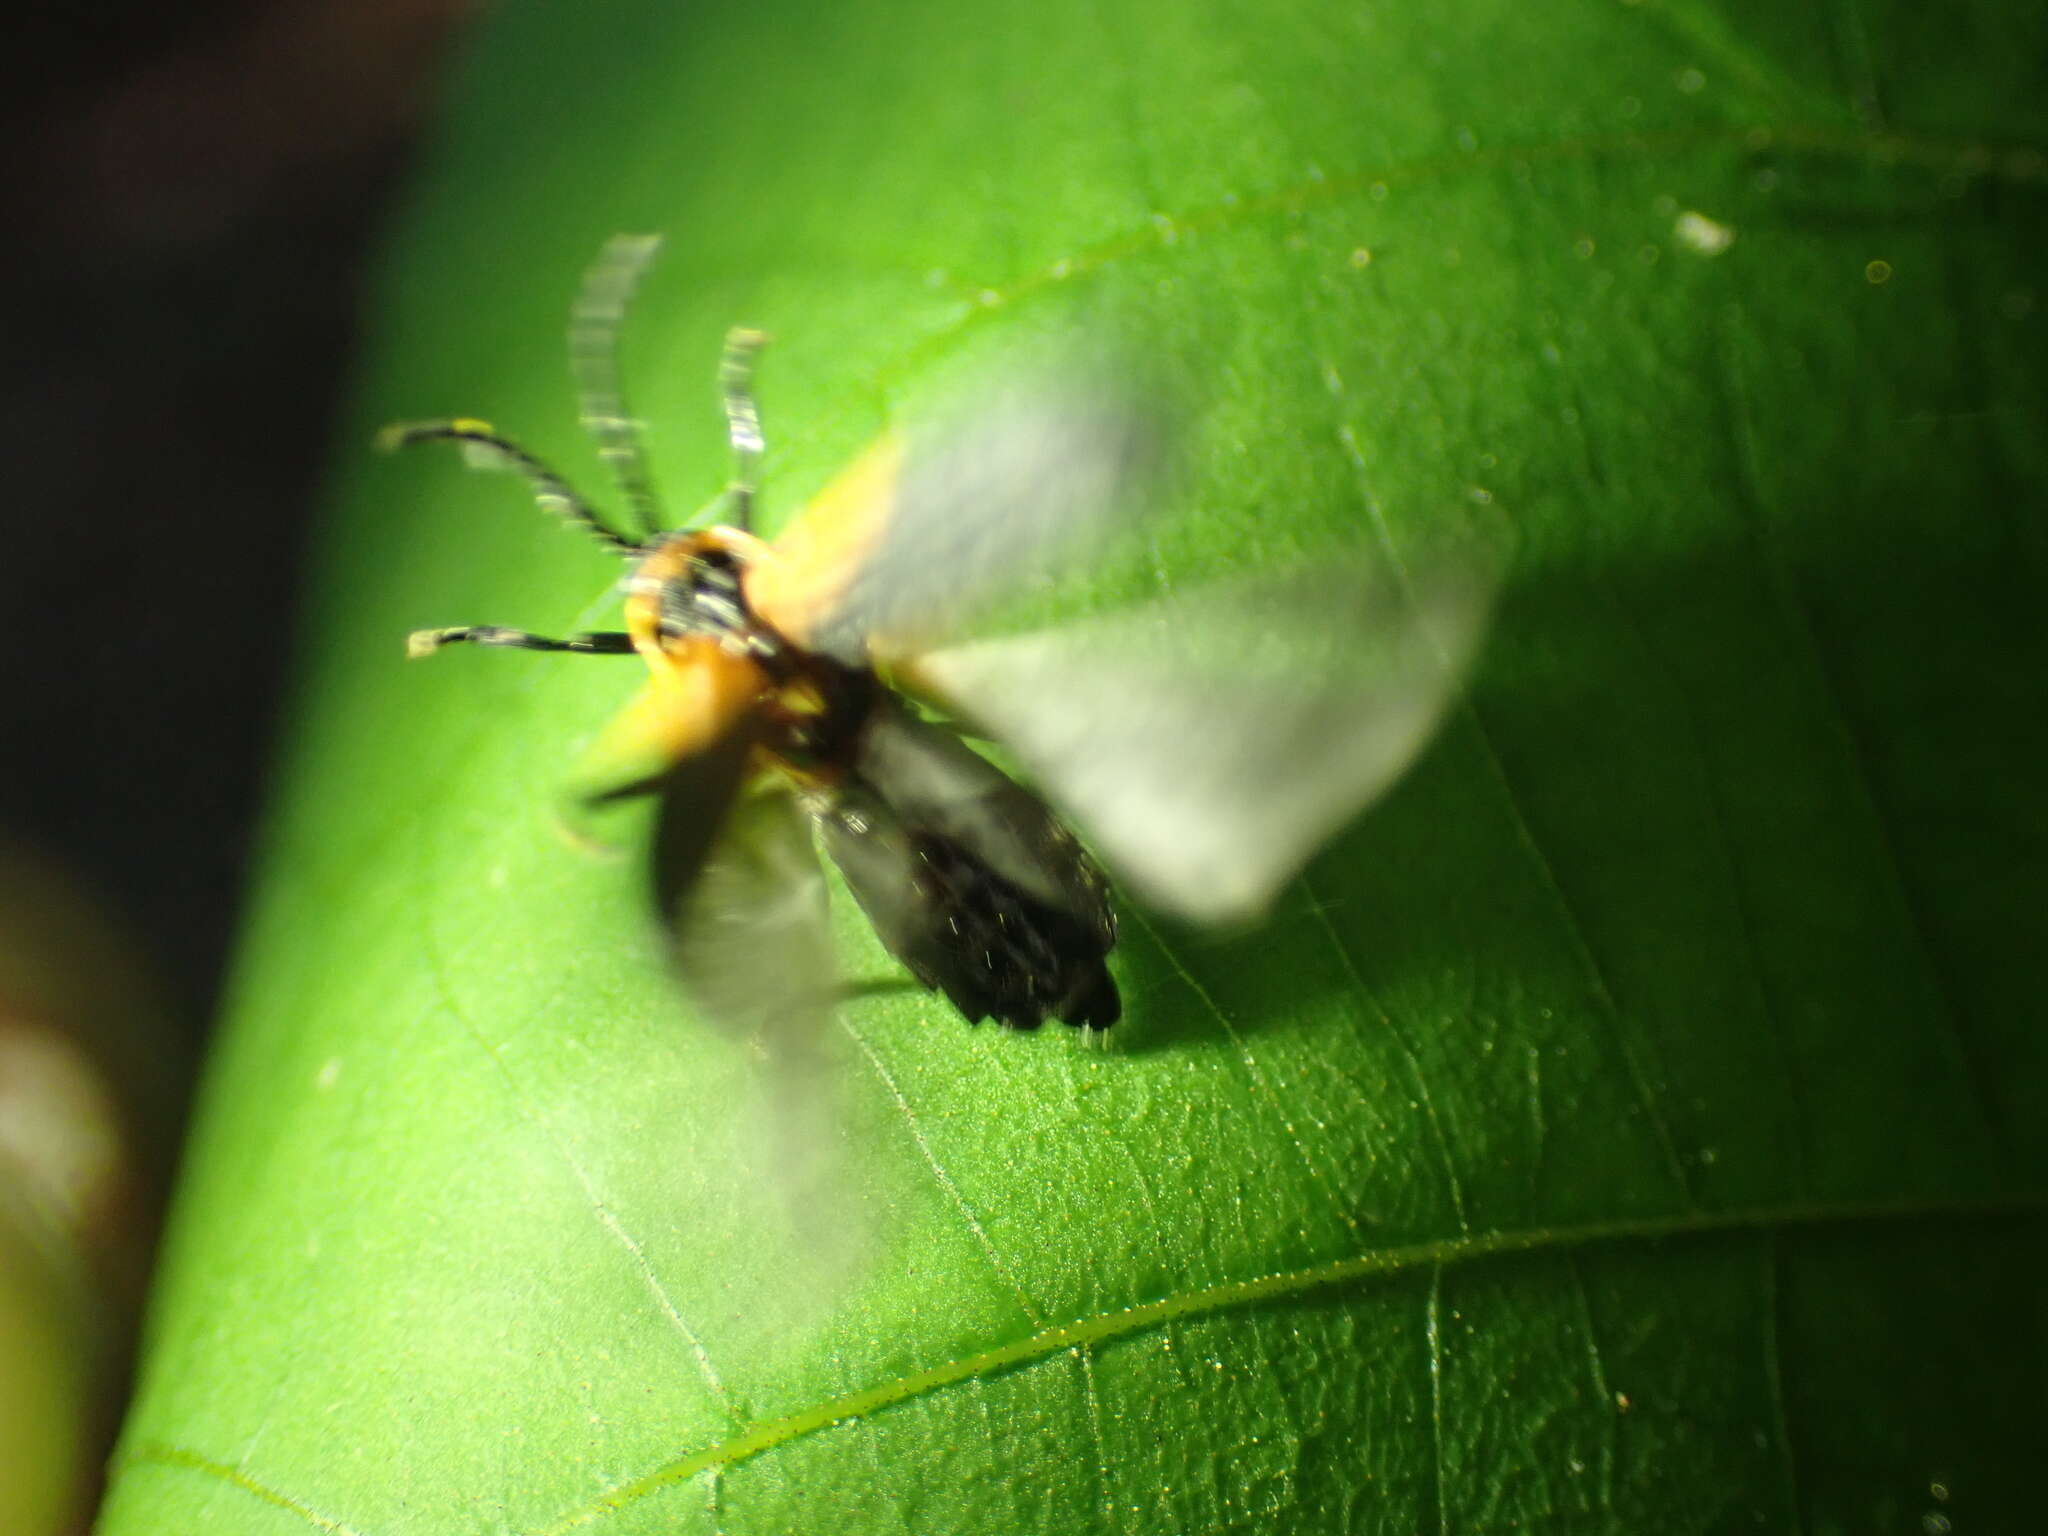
(924, 532)
(742, 896)
(1208, 742)
(738, 879)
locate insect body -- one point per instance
(967, 877)
(1206, 742)
(757, 670)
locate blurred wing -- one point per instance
(743, 893)
(742, 897)
(799, 587)
(920, 535)
(1207, 743)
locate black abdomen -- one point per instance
(970, 880)
(996, 952)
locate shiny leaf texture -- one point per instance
(1638, 1121)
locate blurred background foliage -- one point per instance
(1635, 1123)
(190, 189)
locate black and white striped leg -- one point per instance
(424, 642)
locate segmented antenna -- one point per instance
(594, 322)
(488, 449)
(742, 421)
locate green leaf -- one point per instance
(1638, 1122)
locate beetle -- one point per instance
(1207, 742)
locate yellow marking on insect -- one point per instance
(807, 569)
(401, 433)
(694, 695)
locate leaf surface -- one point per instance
(1639, 1121)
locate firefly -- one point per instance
(822, 687)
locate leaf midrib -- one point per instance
(1102, 1327)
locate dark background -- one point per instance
(195, 194)
(195, 191)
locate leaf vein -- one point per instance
(1453, 1184)
(1433, 1331)
(1260, 1081)
(1630, 1049)
(1232, 1295)
(1602, 1390)
(163, 1453)
(1792, 602)
(1774, 1372)
(1085, 1356)
(942, 1178)
(606, 1216)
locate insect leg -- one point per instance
(742, 421)
(594, 323)
(488, 448)
(424, 642)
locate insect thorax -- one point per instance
(691, 584)
(692, 587)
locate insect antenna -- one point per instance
(488, 446)
(594, 322)
(424, 642)
(742, 422)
